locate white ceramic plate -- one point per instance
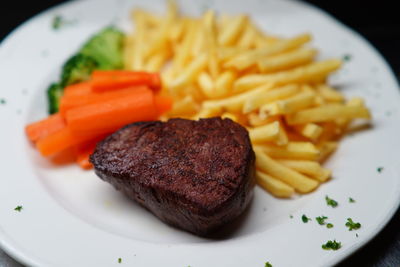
(71, 218)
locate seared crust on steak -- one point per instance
(195, 175)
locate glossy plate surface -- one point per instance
(72, 218)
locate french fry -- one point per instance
(223, 84)
(327, 113)
(329, 94)
(274, 186)
(289, 105)
(310, 168)
(247, 59)
(186, 106)
(286, 60)
(188, 75)
(293, 150)
(300, 182)
(206, 84)
(310, 130)
(208, 113)
(326, 149)
(267, 96)
(228, 115)
(230, 32)
(301, 74)
(265, 133)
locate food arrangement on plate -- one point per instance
(170, 114)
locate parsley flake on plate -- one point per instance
(119, 260)
(321, 219)
(332, 245)
(18, 208)
(329, 226)
(347, 57)
(331, 202)
(267, 264)
(351, 200)
(379, 169)
(305, 219)
(352, 225)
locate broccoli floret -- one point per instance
(54, 93)
(106, 48)
(77, 69)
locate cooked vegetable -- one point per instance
(54, 93)
(83, 153)
(305, 219)
(77, 69)
(111, 80)
(111, 114)
(352, 225)
(40, 129)
(105, 48)
(331, 202)
(332, 245)
(321, 219)
(18, 208)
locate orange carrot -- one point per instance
(83, 153)
(72, 101)
(163, 103)
(112, 80)
(113, 113)
(78, 89)
(60, 141)
(43, 128)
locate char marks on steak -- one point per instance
(195, 175)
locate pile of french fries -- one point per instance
(226, 66)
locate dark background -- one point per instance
(378, 21)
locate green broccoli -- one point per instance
(106, 48)
(54, 93)
(77, 69)
(102, 51)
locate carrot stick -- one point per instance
(113, 80)
(163, 103)
(113, 113)
(43, 128)
(72, 101)
(78, 89)
(83, 153)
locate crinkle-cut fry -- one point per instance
(265, 133)
(206, 84)
(185, 106)
(273, 185)
(224, 83)
(231, 31)
(189, 73)
(289, 105)
(302, 74)
(228, 115)
(234, 103)
(300, 182)
(327, 113)
(208, 113)
(329, 94)
(268, 96)
(293, 150)
(308, 167)
(310, 130)
(326, 148)
(252, 57)
(287, 60)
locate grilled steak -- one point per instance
(195, 175)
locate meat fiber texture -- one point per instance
(194, 175)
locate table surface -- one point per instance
(381, 27)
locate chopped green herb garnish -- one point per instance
(267, 264)
(332, 245)
(352, 225)
(379, 169)
(347, 57)
(321, 219)
(329, 225)
(119, 260)
(356, 235)
(305, 219)
(351, 200)
(331, 202)
(18, 208)
(2, 101)
(58, 22)
(291, 216)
